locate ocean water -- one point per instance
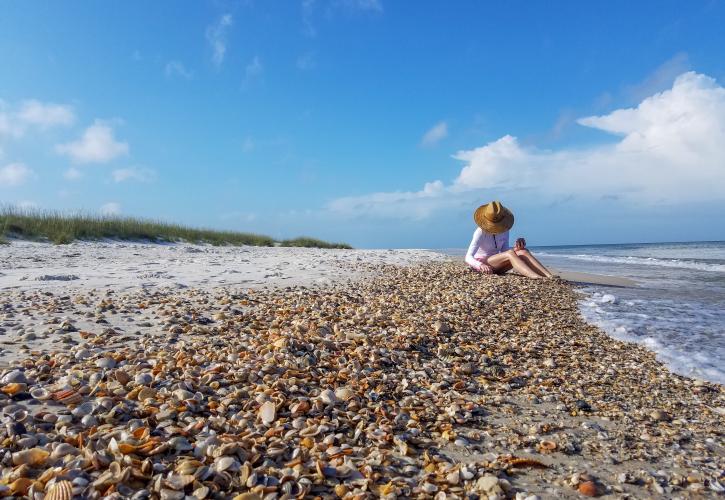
(677, 308)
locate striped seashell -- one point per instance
(68, 397)
(62, 490)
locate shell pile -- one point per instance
(425, 381)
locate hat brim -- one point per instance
(506, 222)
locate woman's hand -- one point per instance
(486, 269)
(520, 244)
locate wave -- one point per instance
(642, 261)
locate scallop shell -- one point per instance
(62, 490)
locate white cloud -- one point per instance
(96, 145)
(44, 115)
(437, 133)
(72, 174)
(14, 174)
(177, 68)
(670, 149)
(133, 174)
(33, 113)
(216, 36)
(110, 208)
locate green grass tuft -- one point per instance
(304, 241)
(63, 229)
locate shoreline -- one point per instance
(411, 381)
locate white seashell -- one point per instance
(226, 463)
(328, 397)
(267, 412)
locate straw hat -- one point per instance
(493, 217)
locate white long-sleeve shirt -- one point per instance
(483, 245)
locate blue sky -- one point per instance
(379, 123)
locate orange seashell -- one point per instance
(62, 490)
(546, 446)
(20, 486)
(58, 395)
(14, 388)
(140, 433)
(588, 489)
(126, 448)
(71, 399)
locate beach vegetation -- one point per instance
(62, 228)
(307, 242)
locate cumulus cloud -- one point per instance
(110, 208)
(45, 115)
(14, 174)
(437, 133)
(96, 145)
(669, 149)
(216, 36)
(15, 121)
(177, 69)
(133, 174)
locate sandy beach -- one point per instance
(178, 371)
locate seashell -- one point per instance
(267, 412)
(201, 492)
(106, 362)
(588, 489)
(546, 446)
(180, 443)
(226, 463)
(40, 394)
(344, 393)
(183, 395)
(146, 393)
(249, 495)
(62, 450)
(14, 376)
(67, 396)
(122, 377)
(14, 388)
(328, 396)
(300, 408)
(62, 490)
(33, 456)
(179, 481)
(21, 486)
(84, 409)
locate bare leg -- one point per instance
(503, 261)
(534, 263)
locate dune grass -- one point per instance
(307, 242)
(62, 228)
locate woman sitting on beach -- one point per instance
(489, 250)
